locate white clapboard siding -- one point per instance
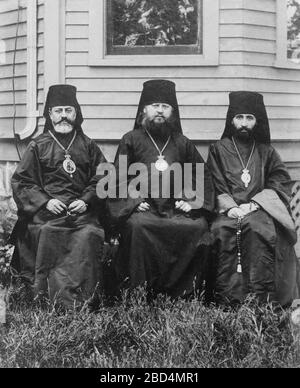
(8, 30)
(109, 95)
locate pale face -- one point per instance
(244, 121)
(158, 112)
(63, 118)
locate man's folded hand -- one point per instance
(183, 206)
(55, 206)
(236, 212)
(143, 207)
(78, 207)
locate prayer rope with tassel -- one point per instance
(238, 243)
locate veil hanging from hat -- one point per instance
(62, 95)
(162, 91)
(244, 102)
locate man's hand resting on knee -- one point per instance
(143, 207)
(78, 207)
(55, 206)
(183, 206)
(243, 210)
(236, 212)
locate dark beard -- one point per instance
(244, 135)
(159, 131)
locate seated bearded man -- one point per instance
(254, 233)
(58, 239)
(164, 239)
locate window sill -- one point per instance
(285, 64)
(154, 60)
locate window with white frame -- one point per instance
(154, 27)
(154, 32)
(293, 30)
(288, 34)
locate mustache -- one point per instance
(244, 129)
(65, 120)
(161, 116)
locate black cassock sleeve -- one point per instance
(278, 178)
(120, 209)
(224, 198)
(96, 158)
(207, 199)
(27, 183)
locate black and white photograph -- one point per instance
(149, 187)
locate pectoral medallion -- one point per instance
(161, 164)
(69, 166)
(246, 177)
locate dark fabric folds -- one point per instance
(59, 254)
(162, 248)
(270, 265)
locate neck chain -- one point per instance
(161, 164)
(68, 165)
(246, 177)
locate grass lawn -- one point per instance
(137, 334)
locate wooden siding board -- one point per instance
(10, 18)
(77, 32)
(191, 84)
(7, 111)
(6, 127)
(254, 5)
(6, 70)
(83, 72)
(77, 6)
(235, 16)
(248, 31)
(224, 71)
(10, 31)
(77, 18)
(7, 97)
(186, 112)
(6, 84)
(201, 98)
(197, 129)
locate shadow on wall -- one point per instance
(8, 209)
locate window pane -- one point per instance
(154, 26)
(293, 14)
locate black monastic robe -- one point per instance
(269, 264)
(162, 248)
(58, 255)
